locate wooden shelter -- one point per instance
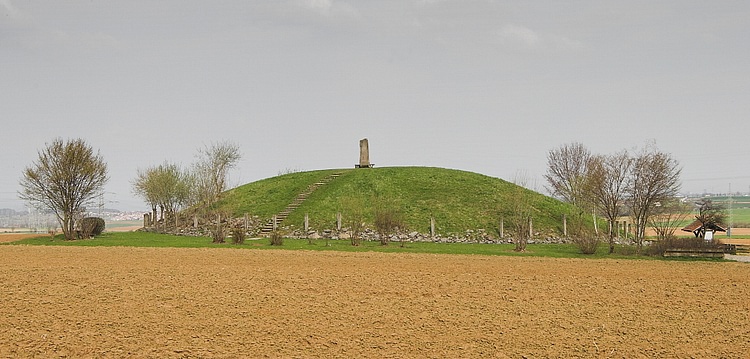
(699, 229)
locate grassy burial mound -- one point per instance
(457, 200)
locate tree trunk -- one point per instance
(612, 231)
(68, 226)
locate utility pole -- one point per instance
(731, 212)
(101, 203)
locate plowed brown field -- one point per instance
(231, 303)
(12, 237)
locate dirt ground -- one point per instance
(229, 303)
(12, 237)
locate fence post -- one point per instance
(531, 228)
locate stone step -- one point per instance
(281, 216)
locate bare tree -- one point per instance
(67, 176)
(654, 178)
(353, 208)
(667, 216)
(566, 172)
(607, 184)
(212, 169)
(710, 215)
(521, 212)
(388, 220)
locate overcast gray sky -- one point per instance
(484, 86)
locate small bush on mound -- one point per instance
(276, 239)
(238, 235)
(91, 227)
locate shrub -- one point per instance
(277, 239)
(90, 227)
(218, 234)
(587, 243)
(238, 235)
(354, 216)
(627, 250)
(387, 221)
(586, 240)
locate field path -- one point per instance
(226, 303)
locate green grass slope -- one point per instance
(458, 200)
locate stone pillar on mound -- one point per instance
(364, 154)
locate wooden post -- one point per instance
(531, 228)
(565, 225)
(218, 223)
(432, 227)
(195, 221)
(338, 221)
(307, 223)
(247, 222)
(617, 228)
(146, 220)
(502, 228)
(275, 224)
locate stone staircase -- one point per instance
(276, 220)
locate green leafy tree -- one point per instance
(164, 186)
(66, 177)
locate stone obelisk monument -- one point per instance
(364, 154)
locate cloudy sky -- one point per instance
(484, 86)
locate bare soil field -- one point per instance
(229, 303)
(12, 237)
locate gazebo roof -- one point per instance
(696, 225)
